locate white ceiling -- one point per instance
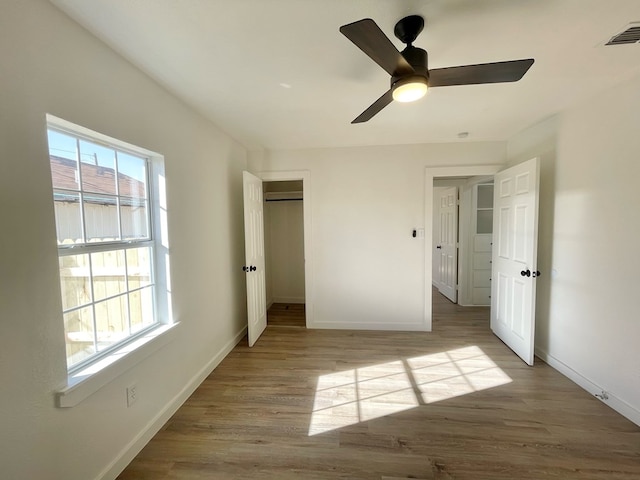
(277, 74)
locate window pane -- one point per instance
(141, 309)
(78, 328)
(101, 218)
(132, 175)
(485, 221)
(133, 213)
(75, 281)
(109, 274)
(139, 267)
(98, 168)
(68, 220)
(112, 321)
(62, 145)
(63, 157)
(485, 196)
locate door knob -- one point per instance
(252, 268)
(244, 268)
(536, 273)
(439, 246)
(526, 273)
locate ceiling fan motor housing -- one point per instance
(418, 59)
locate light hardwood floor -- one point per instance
(286, 315)
(451, 404)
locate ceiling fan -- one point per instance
(410, 76)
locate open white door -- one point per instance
(514, 267)
(254, 256)
(448, 244)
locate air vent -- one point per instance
(630, 35)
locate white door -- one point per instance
(254, 256)
(514, 259)
(448, 244)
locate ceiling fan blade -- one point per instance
(368, 37)
(375, 107)
(497, 72)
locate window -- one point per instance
(112, 271)
(484, 208)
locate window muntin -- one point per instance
(105, 245)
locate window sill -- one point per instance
(87, 381)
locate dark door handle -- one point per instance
(536, 273)
(439, 246)
(244, 268)
(526, 273)
(252, 268)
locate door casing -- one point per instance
(305, 176)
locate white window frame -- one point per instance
(91, 374)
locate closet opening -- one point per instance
(284, 253)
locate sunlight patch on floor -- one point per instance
(353, 396)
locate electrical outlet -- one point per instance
(132, 394)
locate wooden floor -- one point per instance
(451, 404)
(286, 315)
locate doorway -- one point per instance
(461, 273)
(462, 231)
(294, 195)
(441, 177)
(284, 252)
(514, 257)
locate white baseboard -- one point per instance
(137, 444)
(619, 405)
(396, 327)
(288, 299)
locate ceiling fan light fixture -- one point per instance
(409, 89)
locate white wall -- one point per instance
(369, 272)
(587, 317)
(51, 65)
(285, 229)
